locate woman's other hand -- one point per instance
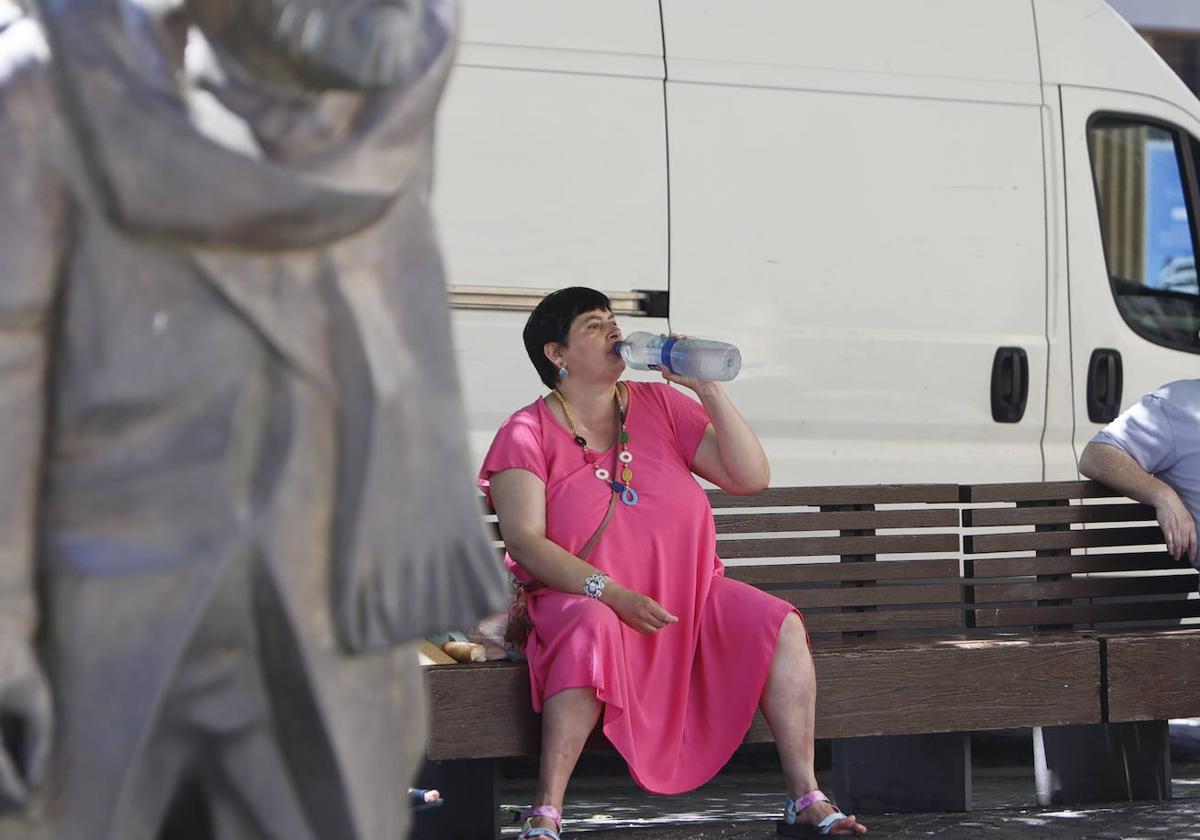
(641, 612)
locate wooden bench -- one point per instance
(935, 611)
(1075, 558)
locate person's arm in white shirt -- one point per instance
(1112, 466)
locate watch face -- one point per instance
(347, 44)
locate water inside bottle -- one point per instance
(714, 366)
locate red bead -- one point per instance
(589, 457)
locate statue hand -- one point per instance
(25, 701)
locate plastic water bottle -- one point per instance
(712, 360)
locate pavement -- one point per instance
(743, 802)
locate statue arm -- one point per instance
(32, 225)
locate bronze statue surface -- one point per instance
(230, 431)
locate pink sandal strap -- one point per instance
(545, 811)
(795, 806)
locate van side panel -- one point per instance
(624, 30)
(879, 46)
(552, 147)
(551, 172)
(870, 240)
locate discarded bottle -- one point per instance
(712, 360)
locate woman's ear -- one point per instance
(553, 351)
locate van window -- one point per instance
(1146, 219)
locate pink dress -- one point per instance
(678, 702)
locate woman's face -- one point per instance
(588, 351)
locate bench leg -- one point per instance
(904, 773)
(472, 810)
(1104, 762)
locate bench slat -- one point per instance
(877, 691)
(837, 546)
(869, 596)
(991, 567)
(832, 572)
(867, 494)
(842, 520)
(751, 523)
(1060, 515)
(861, 622)
(1085, 613)
(1038, 491)
(1084, 588)
(1080, 538)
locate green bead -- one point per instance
(624, 437)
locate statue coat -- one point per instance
(224, 340)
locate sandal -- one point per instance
(788, 827)
(546, 811)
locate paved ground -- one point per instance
(743, 802)
(1175, 820)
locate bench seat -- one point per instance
(874, 687)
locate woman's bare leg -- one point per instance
(568, 717)
(789, 703)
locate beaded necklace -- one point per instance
(624, 457)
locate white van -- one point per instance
(951, 238)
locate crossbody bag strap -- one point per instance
(595, 538)
(612, 500)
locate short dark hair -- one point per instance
(551, 320)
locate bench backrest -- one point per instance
(1068, 554)
(858, 561)
(936, 559)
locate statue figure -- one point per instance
(231, 441)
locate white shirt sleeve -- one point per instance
(1144, 433)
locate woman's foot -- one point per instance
(817, 812)
(812, 811)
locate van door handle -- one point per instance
(1010, 384)
(1104, 380)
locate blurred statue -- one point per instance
(231, 440)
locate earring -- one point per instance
(562, 372)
